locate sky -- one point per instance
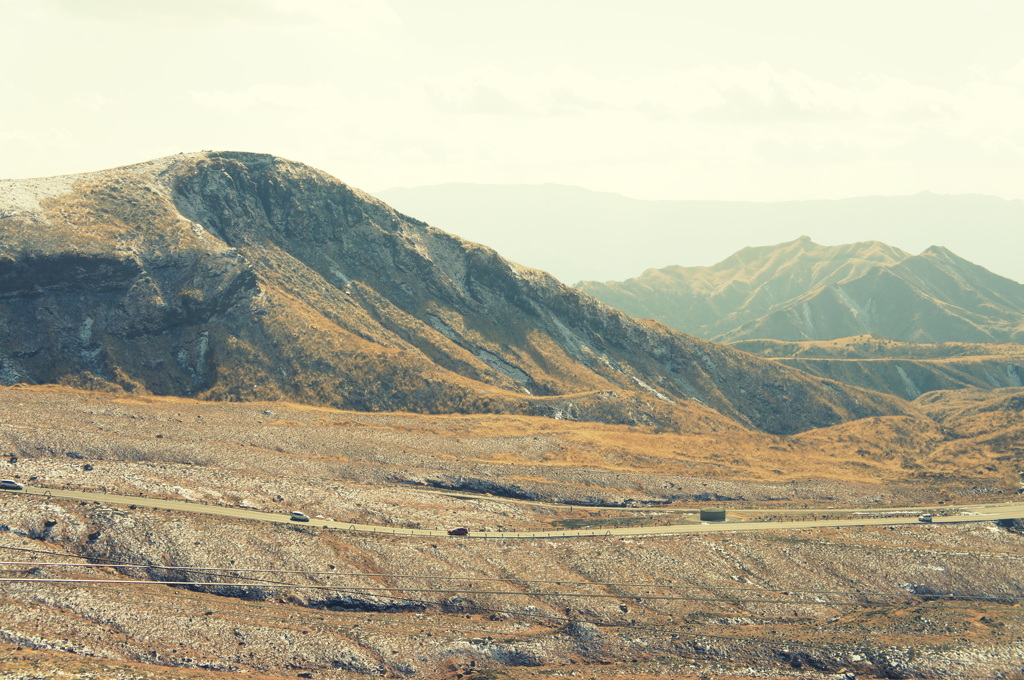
(653, 99)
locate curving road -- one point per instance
(975, 513)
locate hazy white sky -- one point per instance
(734, 100)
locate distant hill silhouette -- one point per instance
(804, 291)
(577, 234)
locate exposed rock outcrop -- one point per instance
(245, 276)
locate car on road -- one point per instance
(460, 531)
(925, 518)
(299, 516)
(11, 485)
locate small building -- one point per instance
(712, 515)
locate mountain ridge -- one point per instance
(800, 290)
(242, 276)
(602, 236)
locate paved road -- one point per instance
(664, 509)
(975, 513)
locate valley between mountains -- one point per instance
(249, 333)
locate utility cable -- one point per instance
(774, 645)
(620, 596)
(561, 582)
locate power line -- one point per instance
(561, 582)
(619, 596)
(799, 646)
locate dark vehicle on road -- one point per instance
(461, 531)
(10, 484)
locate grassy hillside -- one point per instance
(907, 370)
(243, 276)
(803, 291)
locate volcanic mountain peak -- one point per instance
(245, 276)
(804, 291)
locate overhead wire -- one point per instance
(788, 644)
(620, 596)
(798, 646)
(558, 582)
(562, 582)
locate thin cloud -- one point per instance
(186, 11)
(275, 14)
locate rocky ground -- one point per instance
(286, 600)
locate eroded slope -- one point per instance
(245, 276)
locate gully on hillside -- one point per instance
(245, 276)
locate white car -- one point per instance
(299, 516)
(10, 484)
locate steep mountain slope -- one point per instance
(902, 369)
(803, 291)
(244, 276)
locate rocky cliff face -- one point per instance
(245, 276)
(803, 291)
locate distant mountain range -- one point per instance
(804, 291)
(577, 234)
(243, 276)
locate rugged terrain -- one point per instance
(906, 370)
(244, 276)
(909, 601)
(804, 291)
(190, 329)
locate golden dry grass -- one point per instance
(898, 449)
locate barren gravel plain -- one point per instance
(120, 592)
